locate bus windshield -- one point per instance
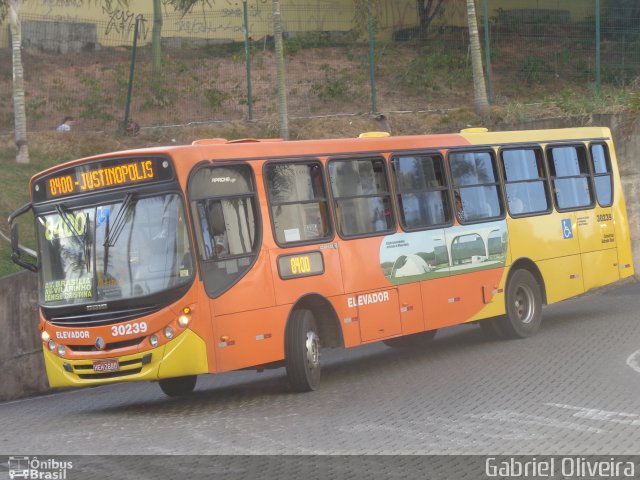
(131, 248)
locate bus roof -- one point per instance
(222, 149)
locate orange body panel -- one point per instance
(452, 300)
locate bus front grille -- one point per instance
(96, 319)
(109, 346)
(96, 376)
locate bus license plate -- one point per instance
(102, 366)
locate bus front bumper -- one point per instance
(182, 356)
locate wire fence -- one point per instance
(334, 64)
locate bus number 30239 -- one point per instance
(128, 329)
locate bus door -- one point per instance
(364, 217)
(377, 312)
(596, 228)
(371, 300)
(558, 240)
(236, 276)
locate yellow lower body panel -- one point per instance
(600, 268)
(184, 355)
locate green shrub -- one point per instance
(215, 97)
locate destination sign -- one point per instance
(103, 175)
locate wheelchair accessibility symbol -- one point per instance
(567, 231)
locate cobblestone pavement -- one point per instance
(574, 388)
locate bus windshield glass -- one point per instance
(131, 248)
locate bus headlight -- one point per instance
(61, 350)
(153, 340)
(45, 337)
(185, 318)
(168, 332)
(51, 345)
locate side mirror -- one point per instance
(18, 250)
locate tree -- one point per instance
(480, 101)
(12, 9)
(427, 11)
(19, 109)
(156, 38)
(282, 87)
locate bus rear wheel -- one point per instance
(176, 387)
(302, 352)
(416, 340)
(524, 306)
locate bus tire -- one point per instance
(523, 303)
(415, 340)
(179, 386)
(302, 352)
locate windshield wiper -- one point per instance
(119, 222)
(64, 215)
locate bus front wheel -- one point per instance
(302, 352)
(524, 306)
(176, 387)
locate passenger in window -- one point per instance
(379, 222)
(219, 229)
(459, 208)
(221, 244)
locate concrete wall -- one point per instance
(114, 24)
(59, 37)
(21, 361)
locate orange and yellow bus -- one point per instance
(166, 263)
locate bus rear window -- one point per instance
(602, 174)
(298, 203)
(362, 198)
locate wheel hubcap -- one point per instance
(313, 349)
(524, 303)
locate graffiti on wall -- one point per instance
(121, 23)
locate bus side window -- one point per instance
(570, 175)
(601, 164)
(223, 201)
(422, 191)
(298, 202)
(362, 197)
(525, 181)
(475, 179)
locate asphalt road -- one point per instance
(574, 388)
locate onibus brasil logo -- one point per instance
(38, 469)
